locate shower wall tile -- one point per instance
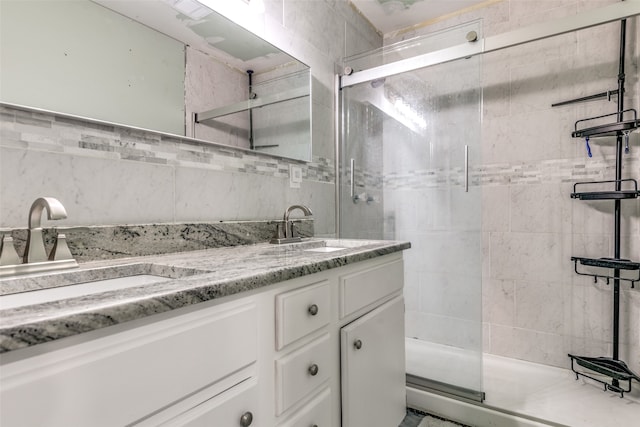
(447, 294)
(446, 330)
(540, 305)
(499, 302)
(496, 209)
(532, 346)
(540, 208)
(524, 255)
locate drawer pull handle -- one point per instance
(246, 419)
(313, 309)
(313, 370)
(357, 344)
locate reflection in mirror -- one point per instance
(158, 65)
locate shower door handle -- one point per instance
(353, 178)
(466, 168)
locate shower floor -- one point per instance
(531, 390)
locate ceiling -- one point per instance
(392, 15)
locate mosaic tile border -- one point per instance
(542, 172)
(23, 127)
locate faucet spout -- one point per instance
(34, 250)
(306, 210)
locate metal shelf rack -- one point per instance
(609, 371)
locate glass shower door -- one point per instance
(409, 144)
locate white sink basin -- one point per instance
(38, 289)
(77, 290)
(325, 249)
(333, 245)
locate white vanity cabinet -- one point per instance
(279, 356)
(124, 377)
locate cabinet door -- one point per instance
(373, 368)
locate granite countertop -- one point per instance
(199, 276)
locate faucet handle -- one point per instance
(8, 254)
(60, 249)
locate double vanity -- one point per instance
(300, 334)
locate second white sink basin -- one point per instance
(23, 291)
(80, 289)
(325, 249)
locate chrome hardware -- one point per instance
(34, 250)
(313, 370)
(357, 344)
(8, 254)
(313, 309)
(60, 249)
(353, 181)
(35, 258)
(472, 36)
(246, 419)
(466, 168)
(286, 232)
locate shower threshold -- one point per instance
(427, 384)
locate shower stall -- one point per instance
(410, 167)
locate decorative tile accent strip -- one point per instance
(121, 241)
(23, 127)
(548, 171)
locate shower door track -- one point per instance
(591, 18)
(429, 385)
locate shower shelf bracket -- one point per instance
(600, 95)
(609, 129)
(611, 263)
(611, 368)
(629, 193)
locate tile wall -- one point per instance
(534, 307)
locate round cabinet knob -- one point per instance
(313, 309)
(357, 344)
(246, 419)
(313, 370)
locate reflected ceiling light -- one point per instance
(190, 8)
(256, 6)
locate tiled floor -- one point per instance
(419, 419)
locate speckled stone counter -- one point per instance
(200, 276)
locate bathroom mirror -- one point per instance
(170, 66)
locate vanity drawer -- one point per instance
(301, 312)
(300, 373)
(226, 409)
(358, 290)
(316, 413)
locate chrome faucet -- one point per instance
(35, 258)
(34, 250)
(286, 232)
